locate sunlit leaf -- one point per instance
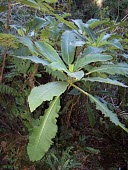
(104, 80)
(45, 92)
(41, 137)
(68, 49)
(87, 59)
(120, 68)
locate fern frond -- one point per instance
(8, 40)
(22, 66)
(6, 89)
(56, 74)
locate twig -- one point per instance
(5, 50)
(118, 8)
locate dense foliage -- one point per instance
(49, 56)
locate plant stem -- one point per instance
(5, 50)
(118, 8)
(79, 89)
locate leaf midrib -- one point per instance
(116, 67)
(36, 97)
(44, 122)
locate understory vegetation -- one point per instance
(63, 84)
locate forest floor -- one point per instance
(103, 147)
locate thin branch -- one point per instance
(5, 50)
(79, 89)
(3, 64)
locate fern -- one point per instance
(56, 74)
(8, 40)
(22, 66)
(5, 89)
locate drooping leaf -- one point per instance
(68, 49)
(36, 23)
(47, 51)
(102, 39)
(41, 138)
(69, 24)
(45, 92)
(113, 42)
(30, 3)
(87, 59)
(107, 113)
(78, 43)
(37, 4)
(91, 115)
(90, 32)
(93, 23)
(120, 68)
(77, 75)
(28, 43)
(92, 50)
(58, 66)
(124, 55)
(44, 6)
(106, 36)
(116, 43)
(35, 59)
(80, 25)
(105, 80)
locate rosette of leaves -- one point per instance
(91, 64)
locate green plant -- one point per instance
(11, 161)
(61, 160)
(78, 55)
(86, 56)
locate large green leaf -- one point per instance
(90, 32)
(108, 113)
(36, 23)
(68, 49)
(41, 138)
(37, 4)
(92, 50)
(30, 3)
(45, 93)
(120, 68)
(77, 75)
(47, 51)
(107, 80)
(35, 59)
(113, 42)
(28, 43)
(58, 66)
(87, 59)
(80, 25)
(93, 23)
(59, 75)
(116, 43)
